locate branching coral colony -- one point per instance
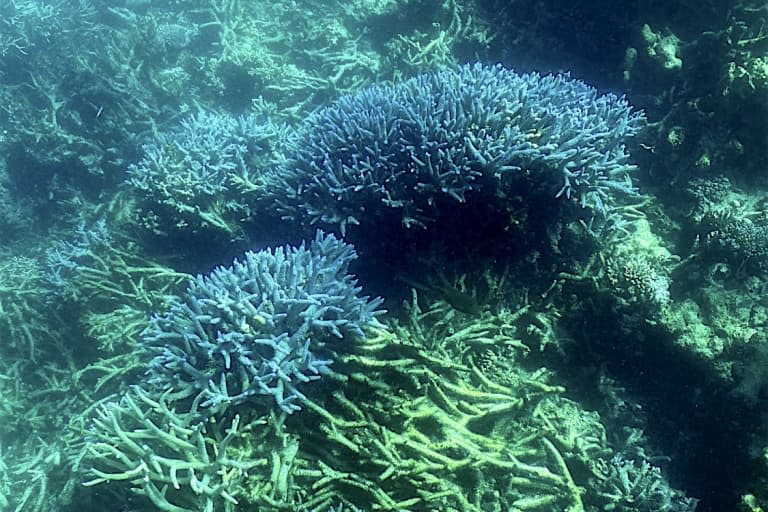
(427, 414)
(192, 179)
(246, 338)
(400, 149)
(435, 412)
(260, 328)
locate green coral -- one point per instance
(412, 418)
(409, 420)
(23, 326)
(663, 47)
(179, 463)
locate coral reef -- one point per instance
(260, 327)
(709, 113)
(729, 226)
(662, 47)
(442, 135)
(589, 332)
(413, 419)
(159, 449)
(22, 324)
(193, 179)
(15, 214)
(629, 485)
(637, 281)
(99, 270)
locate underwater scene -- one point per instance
(383, 255)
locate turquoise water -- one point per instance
(485, 255)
